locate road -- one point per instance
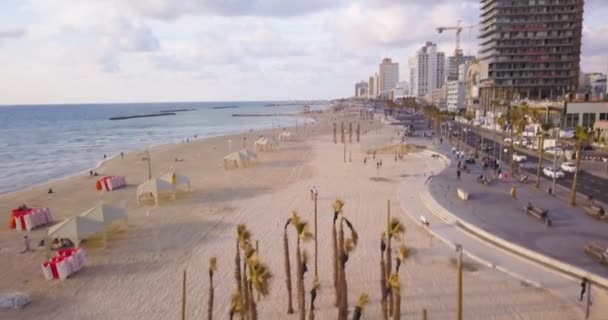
(587, 184)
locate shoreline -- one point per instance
(99, 164)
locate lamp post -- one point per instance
(554, 161)
(459, 250)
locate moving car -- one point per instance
(519, 157)
(553, 172)
(568, 166)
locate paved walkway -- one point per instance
(416, 201)
(492, 209)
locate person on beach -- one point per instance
(458, 174)
(514, 192)
(50, 191)
(26, 244)
(122, 155)
(105, 156)
(583, 288)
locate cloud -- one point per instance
(126, 35)
(171, 9)
(12, 32)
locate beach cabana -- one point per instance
(286, 136)
(262, 144)
(235, 160)
(105, 214)
(176, 179)
(155, 188)
(75, 228)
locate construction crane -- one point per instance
(458, 28)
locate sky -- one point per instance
(97, 51)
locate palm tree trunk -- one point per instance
(253, 309)
(397, 312)
(300, 283)
(341, 294)
(389, 268)
(541, 150)
(246, 290)
(287, 272)
(574, 180)
(237, 272)
(511, 162)
(313, 296)
(357, 313)
(383, 286)
(210, 301)
(335, 255)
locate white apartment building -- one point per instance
(388, 76)
(455, 95)
(371, 88)
(376, 85)
(427, 70)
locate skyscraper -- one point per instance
(529, 49)
(371, 87)
(388, 76)
(361, 89)
(427, 70)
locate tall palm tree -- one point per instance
(360, 305)
(236, 305)
(396, 289)
(301, 258)
(242, 237)
(294, 218)
(337, 206)
(212, 269)
(402, 254)
(383, 279)
(346, 246)
(582, 136)
(259, 279)
(248, 294)
(395, 230)
(313, 297)
(544, 127)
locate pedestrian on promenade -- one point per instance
(458, 174)
(583, 288)
(514, 192)
(459, 163)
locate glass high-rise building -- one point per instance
(529, 48)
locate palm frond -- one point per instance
(213, 264)
(363, 298)
(396, 229)
(393, 281)
(402, 252)
(236, 303)
(338, 205)
(295, 218)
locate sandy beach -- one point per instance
(138, 274)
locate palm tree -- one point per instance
(301, 258)
(293, 219)
(383, 280)
(259, 279)
(360, 305)
(346, 246)
(395, 229)
(582, 136)
(242, 237)
(248, 296)
(544, 127)
(402, 254)
(212, 269)
(396, 289)
(313, 297)
(236, 305)
(337, 206)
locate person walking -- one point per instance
(514, 192)
(26, 244)
(583, 288)
(458, 174)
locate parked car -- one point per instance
(470, 161)
(568, 166)
(555, 150)
(507, 140)
(519, 157)
(553, 172)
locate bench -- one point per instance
(596, 251)
(462, 194)
(542, 215)
(596, 211)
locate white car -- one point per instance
(568, 166)
(519, 157)
(507, 140)
(555, 150)
(552, 172)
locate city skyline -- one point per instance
(144, 50)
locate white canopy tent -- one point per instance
(235, 160)
(176, 179)
(155, 187)
(105, 214)
(286, 136)
(262, 144)
(75, 228)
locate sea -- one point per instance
(39, 143)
